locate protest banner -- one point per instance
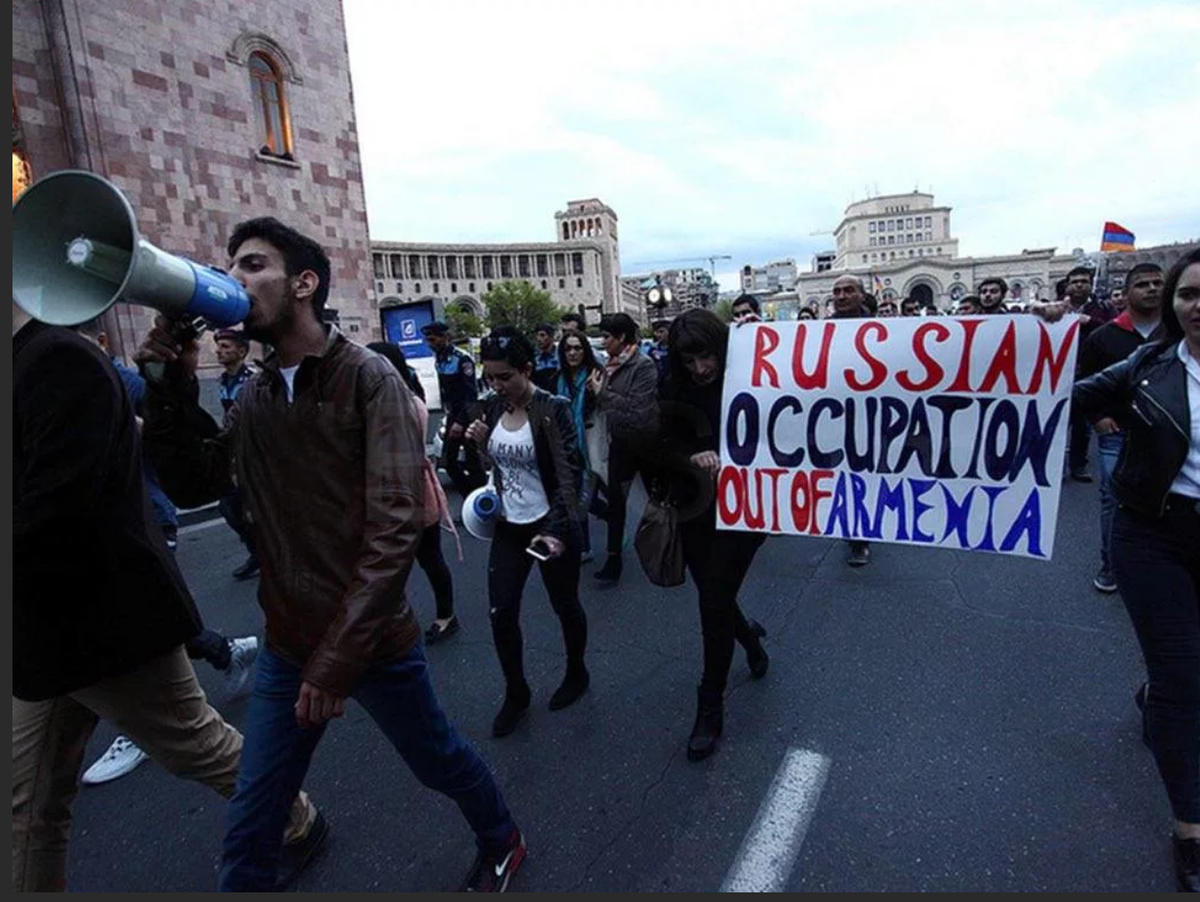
(940, 431)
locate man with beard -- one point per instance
(1096, 313)
(328, 448)
(850, 302)
(992, 293)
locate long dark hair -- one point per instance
(698, 332)
(507, 343)
(589, 355)
(1170, 320)
(395, 356)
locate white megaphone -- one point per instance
(480, 511)
(77, 251)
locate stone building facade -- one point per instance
(581, 268)
(203, 114)
(902, 245)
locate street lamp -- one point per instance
(659, 297)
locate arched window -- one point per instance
(266, 82)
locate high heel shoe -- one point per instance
(756, 656)
(710, 720)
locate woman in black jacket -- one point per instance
(717, 560)
(1154, 395)
(529, 436)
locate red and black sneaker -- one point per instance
(494, 869)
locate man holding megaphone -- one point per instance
(327, 447)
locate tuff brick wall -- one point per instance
(156, 96)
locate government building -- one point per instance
(580, 269)
(903, 246)
(203, 115)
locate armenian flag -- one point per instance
(1116, 238)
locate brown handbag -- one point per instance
(659, 544)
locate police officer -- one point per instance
(545, 359)
(456, 380)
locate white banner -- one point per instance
(945, 431)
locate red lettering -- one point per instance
(766, 340)
(817, 494)
(773, 474)
(1046, 358)
(934, 373)
(819, 377)
(962, 381)
(1004, 364)
(878, 370)
(736, 477)
(801, 510)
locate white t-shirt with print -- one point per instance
(522, 495)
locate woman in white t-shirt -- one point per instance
(529, 437)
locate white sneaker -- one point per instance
(241, 661)
(121, 758)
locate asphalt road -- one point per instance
(975, 712)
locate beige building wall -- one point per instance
(160, 98)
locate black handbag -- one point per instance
(659, 544)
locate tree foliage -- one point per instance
(519, 304)
(463, 323)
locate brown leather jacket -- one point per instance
(334, 488)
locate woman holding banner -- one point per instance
(1154, 395)
(717, 560)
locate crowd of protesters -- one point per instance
(332, 534)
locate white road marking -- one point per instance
(198, 527)
(772, 845)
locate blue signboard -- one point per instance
(402, 326)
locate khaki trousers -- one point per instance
(161, 707)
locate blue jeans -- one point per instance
(1108, 448)
(399, 697)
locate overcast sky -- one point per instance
(744, 127)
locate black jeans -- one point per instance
(235, 515)
(1157, 567)
(429, 556)
(508, 571)
(209, 645)
(719, 562)
(624, 464)
(466, 476)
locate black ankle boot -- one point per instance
(611, 571)
(756, 656)
(1187, 864)
(574, 684)
(516, 703)
(710, 719)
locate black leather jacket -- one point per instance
(560, 464)
(1147, 395)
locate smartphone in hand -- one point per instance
(540, 550)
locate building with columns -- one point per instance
(203, 115)
(902, 245)
(581, 267)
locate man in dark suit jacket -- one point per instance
(100, 611)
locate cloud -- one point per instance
(744, 128)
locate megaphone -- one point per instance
(480, 511)
(77, 251)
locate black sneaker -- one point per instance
(1082, 476)
(248, 569)
(860, 554)
(295, 856)
(492, 871)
